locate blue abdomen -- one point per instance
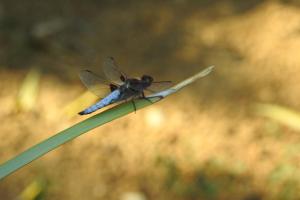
(109, 99)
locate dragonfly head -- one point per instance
(147, 79)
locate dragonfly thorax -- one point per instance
(138, 84)
(147, 80)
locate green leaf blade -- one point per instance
(70, 133)
(78, 129)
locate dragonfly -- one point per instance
(115, 86)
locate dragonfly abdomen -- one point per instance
(111, 98)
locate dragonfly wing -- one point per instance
(112, 71)
(97, 85)
(158, 86)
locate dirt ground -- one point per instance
(209, 141)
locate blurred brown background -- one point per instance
(232, 135)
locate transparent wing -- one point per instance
(112, 71)
(99, 86)
(158, 86)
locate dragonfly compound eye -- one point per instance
(147, 79)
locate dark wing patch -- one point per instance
(112, 71)
(97, 85)
(158, 86)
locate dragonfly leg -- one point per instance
(134, 106)
(144, 97)
(148, 100)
